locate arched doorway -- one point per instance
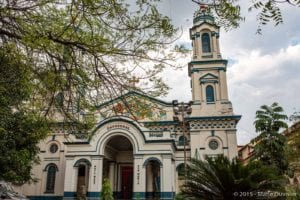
(83, 167)
(153, 179)
(118, 166)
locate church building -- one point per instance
(144, 158)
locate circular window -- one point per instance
(213, 144)
(53, 148)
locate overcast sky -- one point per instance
(262, 69)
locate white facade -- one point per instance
(142, 159)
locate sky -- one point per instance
(262, 69)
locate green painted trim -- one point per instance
(75, 143)
(70, 194)
(205, 69)
(154, 159)
(203, 18)
(93, 194)
(160, 123)
(82, 160)
(212, 133)
(208, 81)
(209, 61)
(205, 22)
(225, 102)
(134, 93)
(50, 164)
(45, 197)
(236, 117)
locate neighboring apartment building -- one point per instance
(245, 152)
(293, 136)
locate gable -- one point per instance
(135, 105)
(208, 78)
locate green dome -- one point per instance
(203, 15)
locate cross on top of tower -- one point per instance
(203, 6)
(133, 81)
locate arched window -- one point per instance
(210, 96)
(205, 43)
(51, 173)
(182, 140)
(180, 171)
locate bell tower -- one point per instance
(207, 68)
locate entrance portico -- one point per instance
(118, 166)
(120, 152)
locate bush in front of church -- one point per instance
(107, 193)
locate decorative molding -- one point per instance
(135, 93)
(209, 61)
(82, 161)
(152, 159)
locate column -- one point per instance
(167, 175)
(223, 85)
(139, 178)
(70, 179)
(95, 178)
(214, 44)
(111, 175)
(231, 144)
(203, 92)
(217, 89)
(149, 179)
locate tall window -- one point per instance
(180, 171)
(182, 141)
(210, 97)
(205, 43)
(51, 173)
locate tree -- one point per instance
(271, 145)
(221, 178)
(107, 193)
(20, 129)
(83, 52)
(229, 16)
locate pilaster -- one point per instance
(139, 178)
(167, 175)
(95, 178)
(70, 180)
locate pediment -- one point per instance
(135, 105)
(208, 76)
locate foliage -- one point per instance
(293, 192)
(229, 16)
(221, 178)
(138, 196)
(269, 10)
(292, 153)
(179, 196)
(271, 145)
(295, 117)
(82, 53)
(20, 128)
(227, 12)
(107, 193)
